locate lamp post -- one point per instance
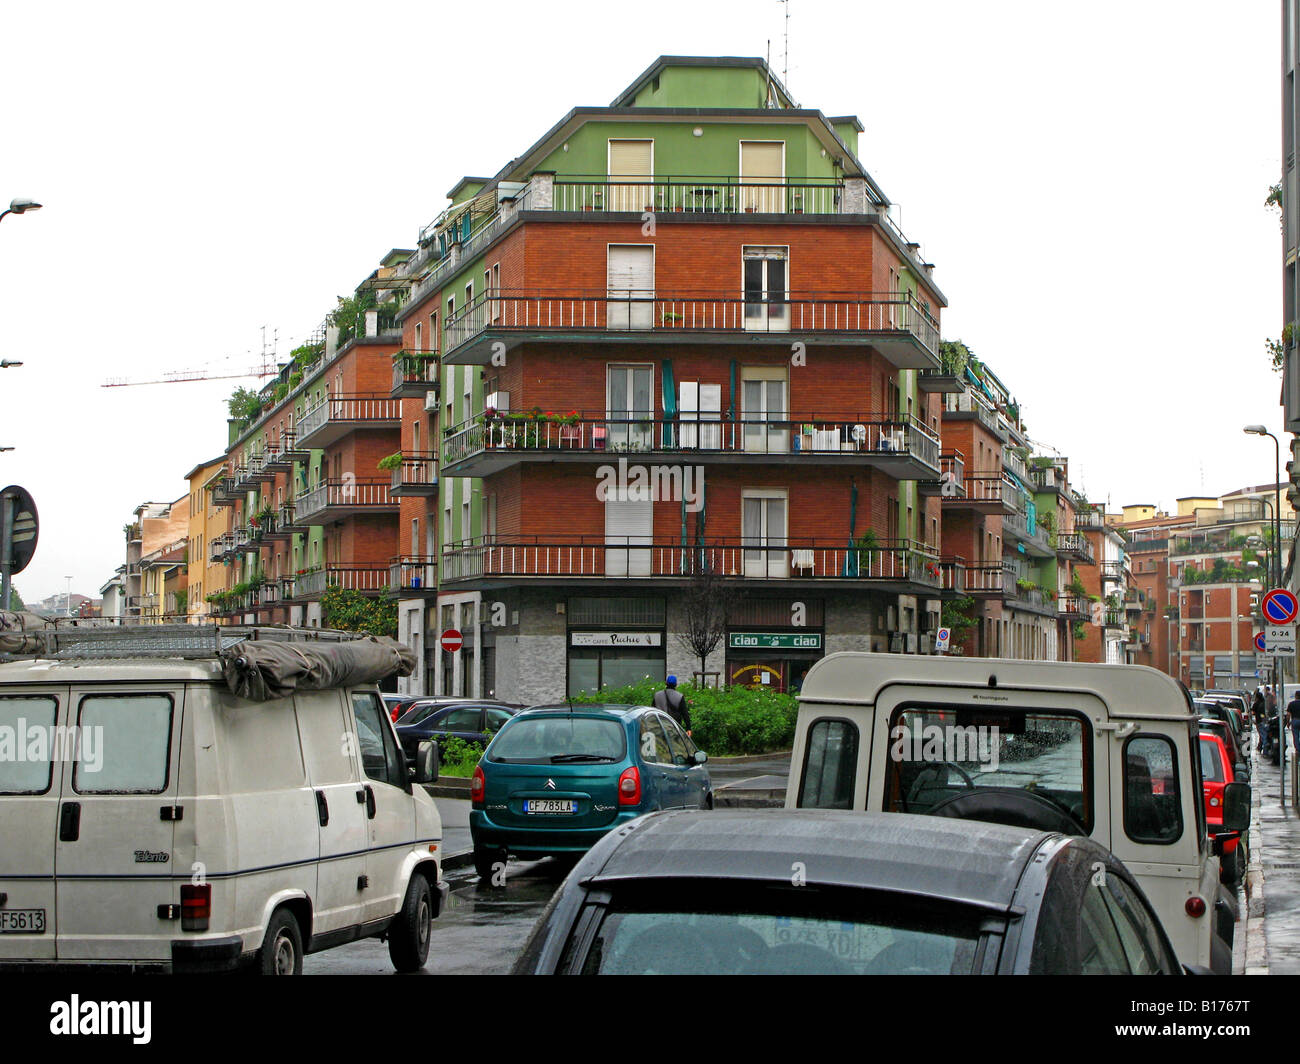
(1276, 558)
(21, 205)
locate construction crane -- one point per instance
(268, 368)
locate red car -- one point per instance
(1217, 771)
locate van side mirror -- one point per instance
(1236, 806)
(425, 769)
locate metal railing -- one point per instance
(865, 434)
(413, 572)
(637, 310)
(348, 408)
(989, 577)
(349, 578)
(698, 194)
(342, 493)
(630, 557)
(1075, 543)
(419, 469)
(993, 487)
(415, 368)
(970, 402)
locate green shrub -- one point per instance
(458, 757)
(725, 722)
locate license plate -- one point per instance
(550, 805)
(22, 921)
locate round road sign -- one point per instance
(1260, 643)
(452, 641)
(1280, 606)
(25, 525)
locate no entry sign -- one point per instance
(452, 641)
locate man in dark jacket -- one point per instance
(673, 702)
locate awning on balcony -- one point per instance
(670, 412)
(851, 555)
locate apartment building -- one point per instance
(151, 539)
(675, 336)
(1290, 202)
(207, 522)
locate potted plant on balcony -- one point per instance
(389, 462)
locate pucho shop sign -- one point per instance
(775, 641)
(615, 639)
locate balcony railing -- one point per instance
(1047, 478)
(889, 440)
(414, 373)
(989, 578)
(899, 326)
(952, 574)
(349, 578)
(415, 572)
(219, 546)
(1074, 607)
(285, 520)
(698, 195)
(1089, 520)
(952, 477)
(1112, 570)
(967, 401)
(995, 490)
(331, 499)
(417, 475)
(1076, 545)
(895, 562)
(333, 418)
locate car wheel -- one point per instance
(708, 802)
(486, 858)
(281, 952)
(408, 938)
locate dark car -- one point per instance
(795, 892)
(1230, 709)
(475, 722)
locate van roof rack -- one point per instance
(194, 641)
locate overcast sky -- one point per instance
(1088, 180)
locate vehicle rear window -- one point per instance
(29, 744)
(1153, 810)
(792, 935)
(1211, 762)
(938, 754)
(830, 765)
(551, 740)
(133, 734)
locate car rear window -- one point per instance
(1211, 762)
(790, 935)
(552, 740)
(1152, 802)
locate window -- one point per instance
(381, 759)
(20, 718)
(765, 413)
(763, 527)
(419, 336)
(632, 159)
(654, 743)
(467, 719)
(1152, 803)
(767, 289)
(133, 734)
(829, 765)
(630, 407)
(1100, 950)
(1138, 931)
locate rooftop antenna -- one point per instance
(767, 101)
(785, 59)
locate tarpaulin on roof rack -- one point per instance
(264, 670)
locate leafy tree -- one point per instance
(243, 404)
(351, 611)
(1274, 200)
(954, 356)
(707, 604)
(957, 617)
(15, 599)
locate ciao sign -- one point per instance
(775, 641)
(615, 639)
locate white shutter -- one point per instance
(688, 396)
(629, 522)
(763, 163)
(630, 278)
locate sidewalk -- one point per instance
(1272, 939)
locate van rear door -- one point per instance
(31, 772)
(117, 810)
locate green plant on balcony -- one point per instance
(1080, 630)
(1040, 462)
(390, 462)
(281, 390)
(244, 405)
(954, 357)
(295, 379)
(669, 317)
(1076, 586)
(263, 516)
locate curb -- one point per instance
(1254, 957)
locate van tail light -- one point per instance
(477, 788)
(196, 906)
(1195, 906)
(629, 787)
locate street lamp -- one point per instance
(21, 205)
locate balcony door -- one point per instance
(767, 289)
(762, 165)
(631, 159)
(630, 273)
(630, 408)
(763, 525)
(699, 413)
(629, 530)
(764, 411)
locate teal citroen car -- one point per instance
(556, 779)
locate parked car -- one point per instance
(215, 828)
(1218, 770)
(556, 779)
(1103, 751)
(1231, 709)
(786, 892)
(475, 722)
(1218, 727)
(398, 704)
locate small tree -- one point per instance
(957, 618)
(707, 606)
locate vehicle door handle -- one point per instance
(370, 803)
(322, 808)
(361, 795)
(70, 822)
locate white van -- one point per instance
(1107, 751)
(151, 818)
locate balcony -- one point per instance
(286, 522)
(897, 566)
(331, 419)
(989, 578)
(219, 546)
(1016, 527)
(970, 405)
(1029, 599)
(1073, 608)
(952, 477)
(1047, 478)
(988, 493)
(292, 449)
(1112, 571)
(368, 580)
(225, 493)
(414, 374)
(898, 327)
(1075, 545)
(1088, 519)
(939, 380)
(334, 500)
(271, 530)
(416, 572)
(268, 595)
(898, 445)
(276, 460)
(1114, 620)
(952, 574)
(416, 476)
(698, 195)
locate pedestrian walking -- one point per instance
(673, 702)
(1293, 718)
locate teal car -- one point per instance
(556, 779)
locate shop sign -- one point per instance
(775, 641)
(615, 639)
